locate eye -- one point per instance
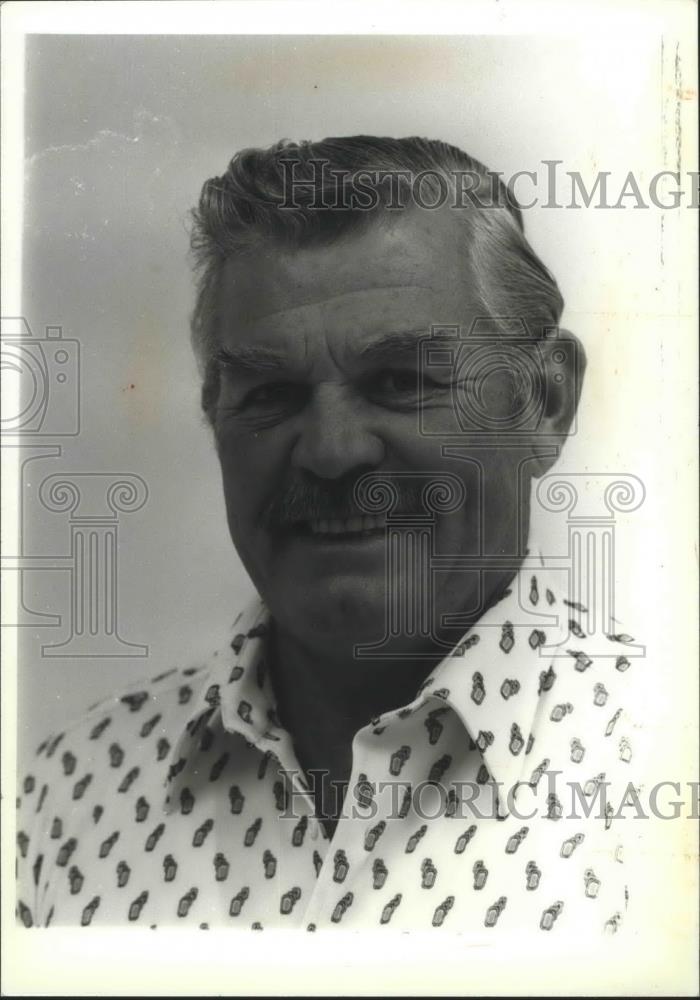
(274, 395)
(401, 387)
(395, 381)
(267, 404)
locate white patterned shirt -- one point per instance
(490, 802)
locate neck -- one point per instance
(324, 696)
(325, 692)
(330, 687)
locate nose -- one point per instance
(335, 437)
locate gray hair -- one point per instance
(249, 205)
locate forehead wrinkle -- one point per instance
(291, 310)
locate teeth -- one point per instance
(336, 526)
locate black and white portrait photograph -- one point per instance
(349, 444)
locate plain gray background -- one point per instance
(121, 131)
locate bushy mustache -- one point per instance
(318, 500)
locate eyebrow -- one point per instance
(392, 346)
(257, 358)
(251, 359)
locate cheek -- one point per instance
(253, 467)
(243, 447)
(494, 484)
(242, 474)
(411, 450)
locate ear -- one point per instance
(564, 363)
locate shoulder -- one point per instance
(127, 709)
(113, 758)
(135, 728)
(126, 736)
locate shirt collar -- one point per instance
(492, 679)
(494, 676)
(236, 695)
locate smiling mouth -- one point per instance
(341, 529)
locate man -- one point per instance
(393, 734)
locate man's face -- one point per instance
(320, 386)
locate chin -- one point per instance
(342, 609)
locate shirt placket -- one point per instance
(351, 874)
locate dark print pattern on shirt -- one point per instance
(168, 805)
